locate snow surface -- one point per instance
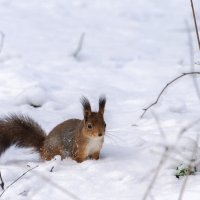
(131, 49)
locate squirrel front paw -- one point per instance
(95, 156)
(80, 158)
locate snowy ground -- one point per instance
(131, 49)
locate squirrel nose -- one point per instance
(100, 134)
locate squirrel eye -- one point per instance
(105, 125)
(89, 126)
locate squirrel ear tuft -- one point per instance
(86, 107)
(102, 103)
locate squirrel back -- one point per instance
(75, 138)
(60, 140)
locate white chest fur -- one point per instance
(94, 145)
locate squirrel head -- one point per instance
(94, 124)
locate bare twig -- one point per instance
(189, 169)
(159, 125)
(192, 65)
(179, 136)
(80, 45)
(186, 128)
(166, 86)
(167, 153)
(2, 41)
(17, 180)
(169, 156)
(59, 187)
(195, 22)
(162, 161)
(191, 53)
(2, 183)
(51, 170)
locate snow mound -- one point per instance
(34, 96)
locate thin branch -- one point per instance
(169, 156)
(80, 45)
(191, 54)
(51, 170)
(162, 161)
(180, 134)
(166, 155)
(166, 86)
(186, 128)
(59, 187)
(2, 182)
(162, 133)
(17, 180)
(2, 41)
(195, 22)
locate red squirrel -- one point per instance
(75, 138)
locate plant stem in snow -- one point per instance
(2, 182)
(51, 170)
(2, 41)
(159, 125)
(17, 180)
(192, 66)
(79, 47)
(162, 161)
(195, 22)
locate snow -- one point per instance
(130, 51)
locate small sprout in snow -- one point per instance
(182, 170)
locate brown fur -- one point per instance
(21, 131)
(78, 139)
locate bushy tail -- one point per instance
(21, 131)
